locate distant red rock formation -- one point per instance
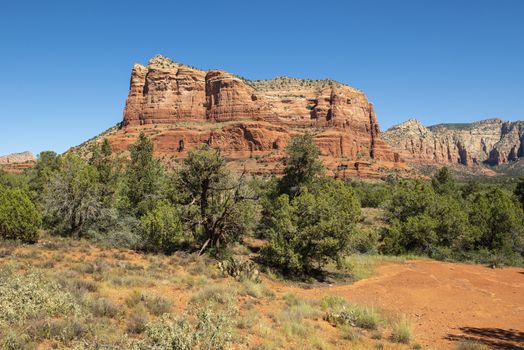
(181, 107)
(17, 162)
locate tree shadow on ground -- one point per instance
(495, 338)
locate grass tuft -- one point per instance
(401, 332)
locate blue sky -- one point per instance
(65, 65)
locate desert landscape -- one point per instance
(260, 200)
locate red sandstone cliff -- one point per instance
(180, 107)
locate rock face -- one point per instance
(181, 107)
(17, 161)
(491, 141)
(23, 157)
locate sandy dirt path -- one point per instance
(446, 302)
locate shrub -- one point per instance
(439, 221)
(162, 229)
(215, 293)
(72, 198)
(443, 181)
(210, 330)
(19, 218)
(416, 234)
(498, 221)
(371, 195)
(314, 227)
(14, 341)
(25, 296)
(103, 307)
(339, 312)
(157, 305)
(116, 230)
(59, 329)
(137, 321)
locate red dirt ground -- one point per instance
(446, 302)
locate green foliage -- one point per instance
(471, 187)
(371, 195)
(444, 223)
(162, 230)
(47, 163)
(340, 313)
(145, 179)
(116, 229)
(312, 228)
(72, 198)
(15, 180)
(498, 220)
(422, 219)
(19, 218)
(443, 181)
(415, 234)
(240, 269)
(519, 191)
(216, 204)
(302, 164)
(401, 332)
(108, 170)
(27, 296)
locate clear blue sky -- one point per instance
(65, 65)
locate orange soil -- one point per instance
(446, 302)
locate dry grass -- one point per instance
(120, 297)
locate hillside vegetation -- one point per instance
(90, 248)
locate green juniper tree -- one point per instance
(19, 218)
(311, 229)
(443, 181)
(308, 220)
(214, 201)
(108, 169)
(47, 163)
(302, 164)
(162, 229)
(71, 198)
(145, 179)
(519, 191)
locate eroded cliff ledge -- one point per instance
(491, 142)
(180, 107)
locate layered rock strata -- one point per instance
(491, 142)
(17, 161)
(180, 107)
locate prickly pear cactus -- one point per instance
(240, 269)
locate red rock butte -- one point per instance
(251, 121)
